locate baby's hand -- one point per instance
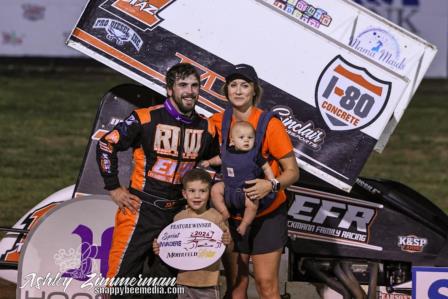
(155, 247)
(204, 164)
(226, 239)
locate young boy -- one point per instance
(226, 193)
(202, 283)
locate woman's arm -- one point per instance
(290, 171)
(288, 176)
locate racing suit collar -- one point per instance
(176, 115)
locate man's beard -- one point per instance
(183, 109)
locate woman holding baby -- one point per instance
(264, 238)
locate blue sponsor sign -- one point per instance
(429, 283)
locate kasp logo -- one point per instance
(349, 97)
(412, 243)
(143, 14)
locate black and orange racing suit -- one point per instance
(163, 150)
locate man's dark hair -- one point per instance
(196, 174)
(180, 71)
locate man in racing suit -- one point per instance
(167, 141)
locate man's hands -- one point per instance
(125, 200)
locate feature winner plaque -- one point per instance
(191, 244)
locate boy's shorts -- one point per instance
(199, 292)
(266, 234)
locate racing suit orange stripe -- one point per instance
(138, 173)
(124, 228)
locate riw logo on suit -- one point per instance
(143, 14)
(349, 97)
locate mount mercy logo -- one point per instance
(349, 97)
(143, 14)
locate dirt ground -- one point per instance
(7, 289)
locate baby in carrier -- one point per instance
(241, 161)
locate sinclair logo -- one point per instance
(349, 97)
(143, 14)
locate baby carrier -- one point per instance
(238, 167)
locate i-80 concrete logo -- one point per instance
(349, 97)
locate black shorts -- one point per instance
(266, 234)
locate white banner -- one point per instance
(334, 72)
(38, 27)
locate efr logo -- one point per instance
(389, 2)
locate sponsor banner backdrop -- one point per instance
(334, 100)
(38, 27)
